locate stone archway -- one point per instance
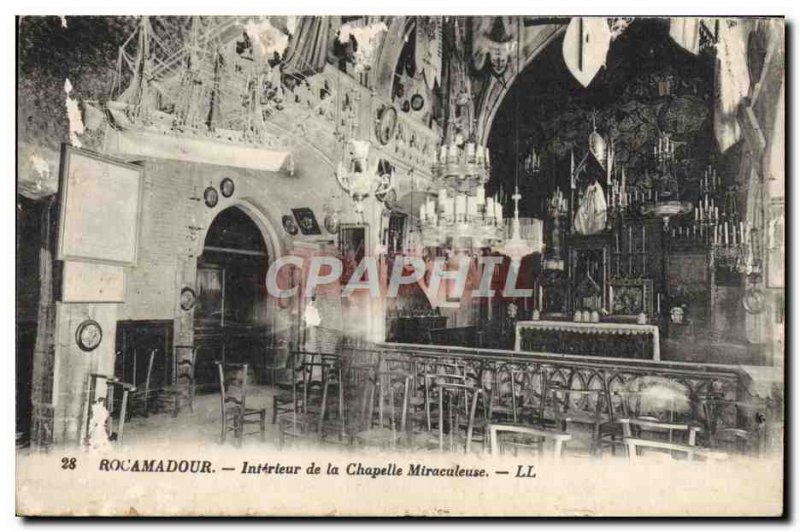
(242, 328)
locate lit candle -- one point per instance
(452, 155)
(472, 206)
(726, 233)
(461, 206)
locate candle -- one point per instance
(461, 206)
(726, 233)
(430, 210)
(658, 303)
(452, 155)
(741, 232)
(498, 213)
(480, 195)
(423, 212)
(448, 209)
(696, 214)
(472, 206)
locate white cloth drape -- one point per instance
(591, 215)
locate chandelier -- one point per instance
(360, 178)
(461, 217)
(664, 148)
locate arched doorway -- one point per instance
(231, 315)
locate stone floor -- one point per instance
(202, 426)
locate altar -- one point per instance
(617, 340)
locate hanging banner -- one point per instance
(586, 45)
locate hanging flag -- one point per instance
(733, 80)
(685, 31)
(428, 49)
(585, 48)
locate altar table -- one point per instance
(617, 340)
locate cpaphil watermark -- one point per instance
(460, 276)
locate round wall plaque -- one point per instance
(211, 197)
(188, 298)
(387, 122)
(88, 335)
(227, 187)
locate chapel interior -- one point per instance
(620, 179)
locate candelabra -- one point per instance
(664, 149)
(532, 162)
(461, 216)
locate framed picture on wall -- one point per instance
(100, 203)
(306, 221)
(630, 297)
(353, 241)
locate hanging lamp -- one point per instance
(516, 247)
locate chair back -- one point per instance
(393, 388)
(525, 436)
(232, 385)
(653, 430)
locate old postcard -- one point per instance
(400, 266)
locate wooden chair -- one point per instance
(143, 398)
(321, 377)
(718, 416)
(520, 436)
(502, 391)
(386, 425)
(439, 372)
(290, 388)
(641, 402)
(636, 446)
(639, 434)
(587, 407)
(233, 403)
(181, 392)
(449, 395)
